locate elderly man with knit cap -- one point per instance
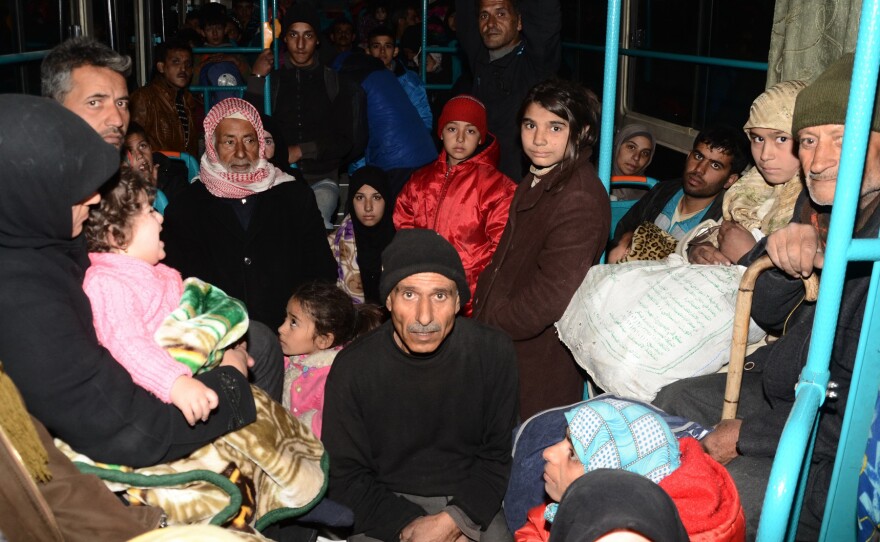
(748, 444)
(246, 226)
(418, 415)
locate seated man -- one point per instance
(246, 226)
(748, 444)
(418, 415)
(169, 113)
(718, 157)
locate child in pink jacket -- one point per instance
(320, 319)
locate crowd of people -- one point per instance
(417, 333)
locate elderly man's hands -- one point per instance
(434, 528)
(797, 249)
(721, 443)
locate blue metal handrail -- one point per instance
(811, 388)
(20, 58)
(677, 57)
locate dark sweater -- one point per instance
(430, 425)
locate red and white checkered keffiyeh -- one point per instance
(217, 179)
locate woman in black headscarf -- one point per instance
(364, 233)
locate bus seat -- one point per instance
(619, 208)
(192, 165)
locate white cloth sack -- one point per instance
(638, 326)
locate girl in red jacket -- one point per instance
(462, 195)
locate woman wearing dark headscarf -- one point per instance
(607, 501)
(276, 145)
(364, 233)
(634, 149)
(47, 340)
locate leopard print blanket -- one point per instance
(276, 462)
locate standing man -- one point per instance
(88, 78)
(747, 445)
(317, 109)
(511, 46)
(418, 415)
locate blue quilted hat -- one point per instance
(617, 434)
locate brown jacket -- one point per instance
(555, 232)
(153, 108)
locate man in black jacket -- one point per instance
(511, 46)
(418, 415)
(319, 112)
(748, 444)
(719, 156)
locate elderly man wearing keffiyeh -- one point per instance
(246, 226)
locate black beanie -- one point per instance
(824, 100)
(421, 251)
(301, 12)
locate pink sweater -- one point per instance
(130, 299)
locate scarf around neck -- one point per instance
(217, 179)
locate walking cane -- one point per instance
(741, 329)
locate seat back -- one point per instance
(620, 208)
(192, 165)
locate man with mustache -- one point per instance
(88, 78)
(418, 415)
(246, 226)
(747, 445)
(168, 111)
(719, 155)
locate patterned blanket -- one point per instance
(272, 469)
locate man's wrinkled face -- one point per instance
(499, 24)
(819, 150)
(301, 41)
(99, 96)
(177, 68)
(237, 145)
(423, 308)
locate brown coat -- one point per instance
(555, 232)
(153, 108)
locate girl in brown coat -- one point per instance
(557, 228)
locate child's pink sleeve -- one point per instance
(120, 324)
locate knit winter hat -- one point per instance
(301, 12)
(774, 108)
(464, 108)
(824, 101)
(421, 251)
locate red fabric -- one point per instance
(536, 528)
(709, 511)
(467, 204)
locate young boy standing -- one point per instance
(462, 195)
(168, 111)
(381, 45)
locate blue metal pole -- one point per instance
(609, 92)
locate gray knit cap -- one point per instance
(421, 251)
(824, 101)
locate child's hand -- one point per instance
(734, 241)
(193, 398)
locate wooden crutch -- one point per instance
(741, 329)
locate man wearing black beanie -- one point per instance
(418, 415)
